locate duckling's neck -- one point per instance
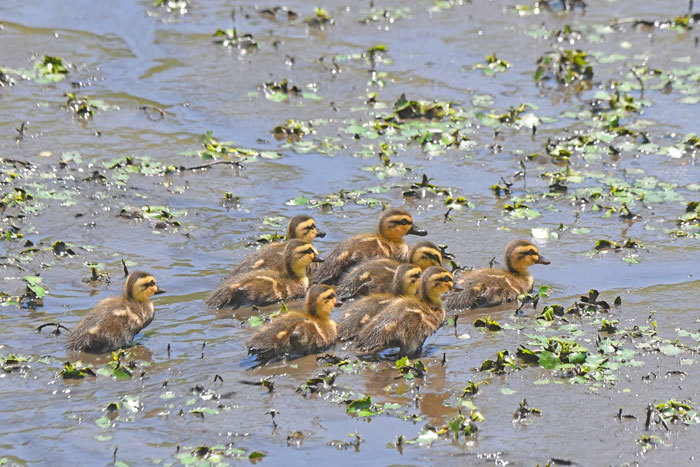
(297, 270)
(520, 272)
(432, 298)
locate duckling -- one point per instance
(299, 332)
(406, 322)
(302, 227)
(404, 283)
(115, 321)
(266, 286)
(492, 286)
(376, 275)
(387, 242)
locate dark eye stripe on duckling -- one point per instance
(431, 256)
(400, 220)
(529, 252)
(306, 226)
(152, 283)
(444, 278)
(306, 251)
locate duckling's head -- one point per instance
(435, 281)
(297, 255)
(406, 280)
(320, 301)
(521, 254)
(141, 286)
(425, 254)
(304, 228)
(394, 223)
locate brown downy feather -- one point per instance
(298, 333)
(406, 322)
(115, 321)
(301, 227)
(493, 286)
(376, 275)
(357, 314)
(267, 286)
(388, 242)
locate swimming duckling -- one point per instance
(404, 283)
(388, 242)
(406, 322)
(492, 286)
(266, 286)
(115, 321)
(376, 275)
(297, 332)
(302, 227)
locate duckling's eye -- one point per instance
(309, 228)
(330, 297)
(433, 256)
(308, 252)
(532, 252)
(150, 284)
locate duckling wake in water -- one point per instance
(267, 286)
(115, 321)
(377, 275)
(296, 332)
(387, 242)
(357, 314)
(301, 227)
(493, 286)
(406, 322)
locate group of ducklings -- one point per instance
(393, 294)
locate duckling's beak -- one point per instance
(159, 291)
(541, 260)
(317, 260)
(417, 231)
(338, 302)
(456, 288)
(320, 233)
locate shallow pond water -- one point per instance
(608, 157)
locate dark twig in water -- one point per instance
(168, 349)
(641, 83)
(162, 113)
(57, 331)
(211, 164)
(267, 383)
(126, 270)
(219, 378)
(650, 410)
(204, 344)
(114, 455)
(20, 132)
(15, 161)
(272, 413)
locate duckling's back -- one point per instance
(110, 325)
(291, 333)
(357, 314)
(486, 287)
(372, 276)
(268, 257)
(355, 250)
(404, 323)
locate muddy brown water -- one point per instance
(134, 55)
